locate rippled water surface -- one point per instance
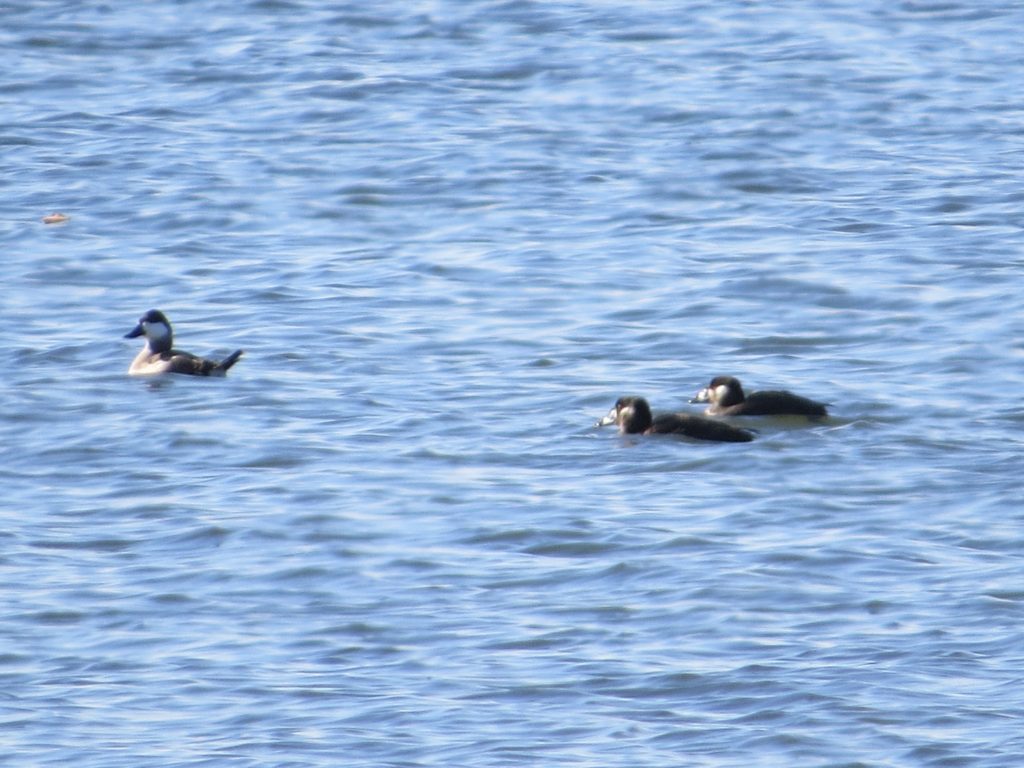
(449, 235)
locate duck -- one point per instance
(633, 417)
(159, 356)
(725, 393)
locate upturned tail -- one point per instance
(228, 361)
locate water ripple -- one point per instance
(448, 237)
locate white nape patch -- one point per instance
(156, 330)
(721, 391)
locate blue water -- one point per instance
(449, 235)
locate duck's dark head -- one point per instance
(155, 327)
(722, 392)
(631, 414)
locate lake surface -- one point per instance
(448, 236)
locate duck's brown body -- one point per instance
(159, 356)
(633, 417)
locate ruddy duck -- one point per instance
(633, 416)
(727, 399)
(158, 356)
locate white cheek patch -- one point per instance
(156, 330)
(721, 392)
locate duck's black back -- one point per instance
(772, 402)
(699, 428)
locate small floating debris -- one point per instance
(55, 218)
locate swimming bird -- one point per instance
(727, 399)
(633, 417)
(159, 356)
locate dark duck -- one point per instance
(725, 393)
(633, 417)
